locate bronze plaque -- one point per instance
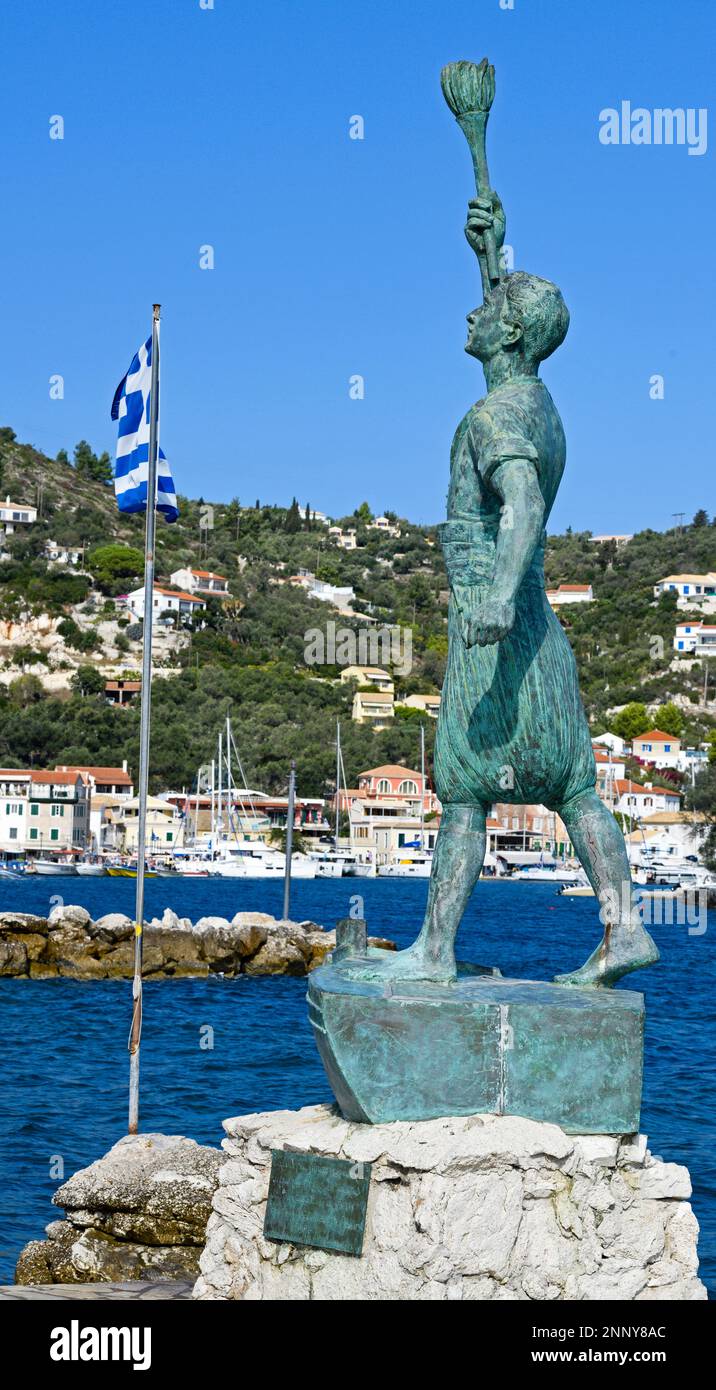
(317, 1201)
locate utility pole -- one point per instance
(679, 519)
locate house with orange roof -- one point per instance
(110, 781)
(657, 749)
(166, 603)
(203, 582)
(637, 801)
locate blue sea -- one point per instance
(64, 1095)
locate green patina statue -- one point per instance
(512, 726)
(412, 1035)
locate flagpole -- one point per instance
(150, 531)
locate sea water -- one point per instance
(212, 1048)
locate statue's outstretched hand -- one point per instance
(485, 211)
(487, 621)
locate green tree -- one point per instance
(89, 465)
(112, 565)
(670, 719)
(701, 518)
(631, 721)
(87, 680)
(25, 690)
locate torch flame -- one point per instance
(468, 87)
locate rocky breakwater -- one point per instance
(138, 1213)
(70, 943)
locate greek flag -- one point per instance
(131, 408)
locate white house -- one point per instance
(345, 539)
(612, 741)
(369, 675)
(637, 801)
(14, 514)
(14, 790)
(677, 833)
(62, 554)
(173, 601)
(386, 527)
(698, 639)
(618, 540)
(341, 598)
(692, 590)
(315, 516)
(203, 582)
(570, 593)
(657, 749)
(429, 704)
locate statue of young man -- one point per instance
(512, 726)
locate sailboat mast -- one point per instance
(422, 786)
(229, 789)
(338, 778)
(220, 786)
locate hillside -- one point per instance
(249, 659)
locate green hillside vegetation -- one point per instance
(248, 658)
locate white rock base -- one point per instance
(483, 1207)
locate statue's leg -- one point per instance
(458, 860)
(599, 842)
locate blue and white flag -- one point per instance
(131, 408)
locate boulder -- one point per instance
(138, 1213)
(17, 922)
(62, 917)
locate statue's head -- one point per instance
(522, 316)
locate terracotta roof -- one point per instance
(14, 772)
(571, 589)
(622, 785)
(100, 774)
(177, 593)
(657, 736)
(390, 770)
(62, 778)
(208, 574)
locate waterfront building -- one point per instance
(114, 781)
(58, 817)
(14, 792)
(161, 829)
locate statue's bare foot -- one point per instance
(629, 948)
(415, 963)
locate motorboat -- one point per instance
(408, 864)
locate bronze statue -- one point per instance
(512, 726)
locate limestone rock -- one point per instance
(139, 1212)
(476, 1208)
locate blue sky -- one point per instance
(186, 127)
